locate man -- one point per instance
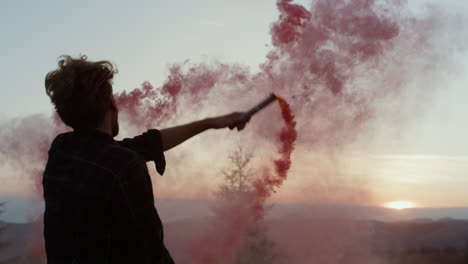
(99, 204)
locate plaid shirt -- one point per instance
(99, 204)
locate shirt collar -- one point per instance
(94, 133)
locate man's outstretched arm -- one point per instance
(173, 136)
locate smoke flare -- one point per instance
(265, 185)
(246, 212)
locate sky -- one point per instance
(427, 163)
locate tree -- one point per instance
(257, 248)
(237, 175)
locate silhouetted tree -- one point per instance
(237, 175)
(257, 248)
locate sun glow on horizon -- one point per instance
(400, 205)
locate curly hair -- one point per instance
(81, 91)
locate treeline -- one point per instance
(427, 255)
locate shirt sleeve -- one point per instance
(149, 146)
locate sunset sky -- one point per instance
(427, 163)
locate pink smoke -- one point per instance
(149, 106)
(266, 185)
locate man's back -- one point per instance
(99, 200)
(99, 205)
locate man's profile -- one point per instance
(99, 204)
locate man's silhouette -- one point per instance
(99, 204)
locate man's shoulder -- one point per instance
(110, 156)
(62, 142)
(62, 137)
(122, 155)
(118, 159)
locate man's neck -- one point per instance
(105, 131)
(105, 128)
(106, 124)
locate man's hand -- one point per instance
(235, 120)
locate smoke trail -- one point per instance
(222, 244)
(265, 186)
(148, 106)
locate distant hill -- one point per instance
(22, 210)
(304, 231)
(401, 236)
(15, 236)
(306, 238)
(369, 212)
